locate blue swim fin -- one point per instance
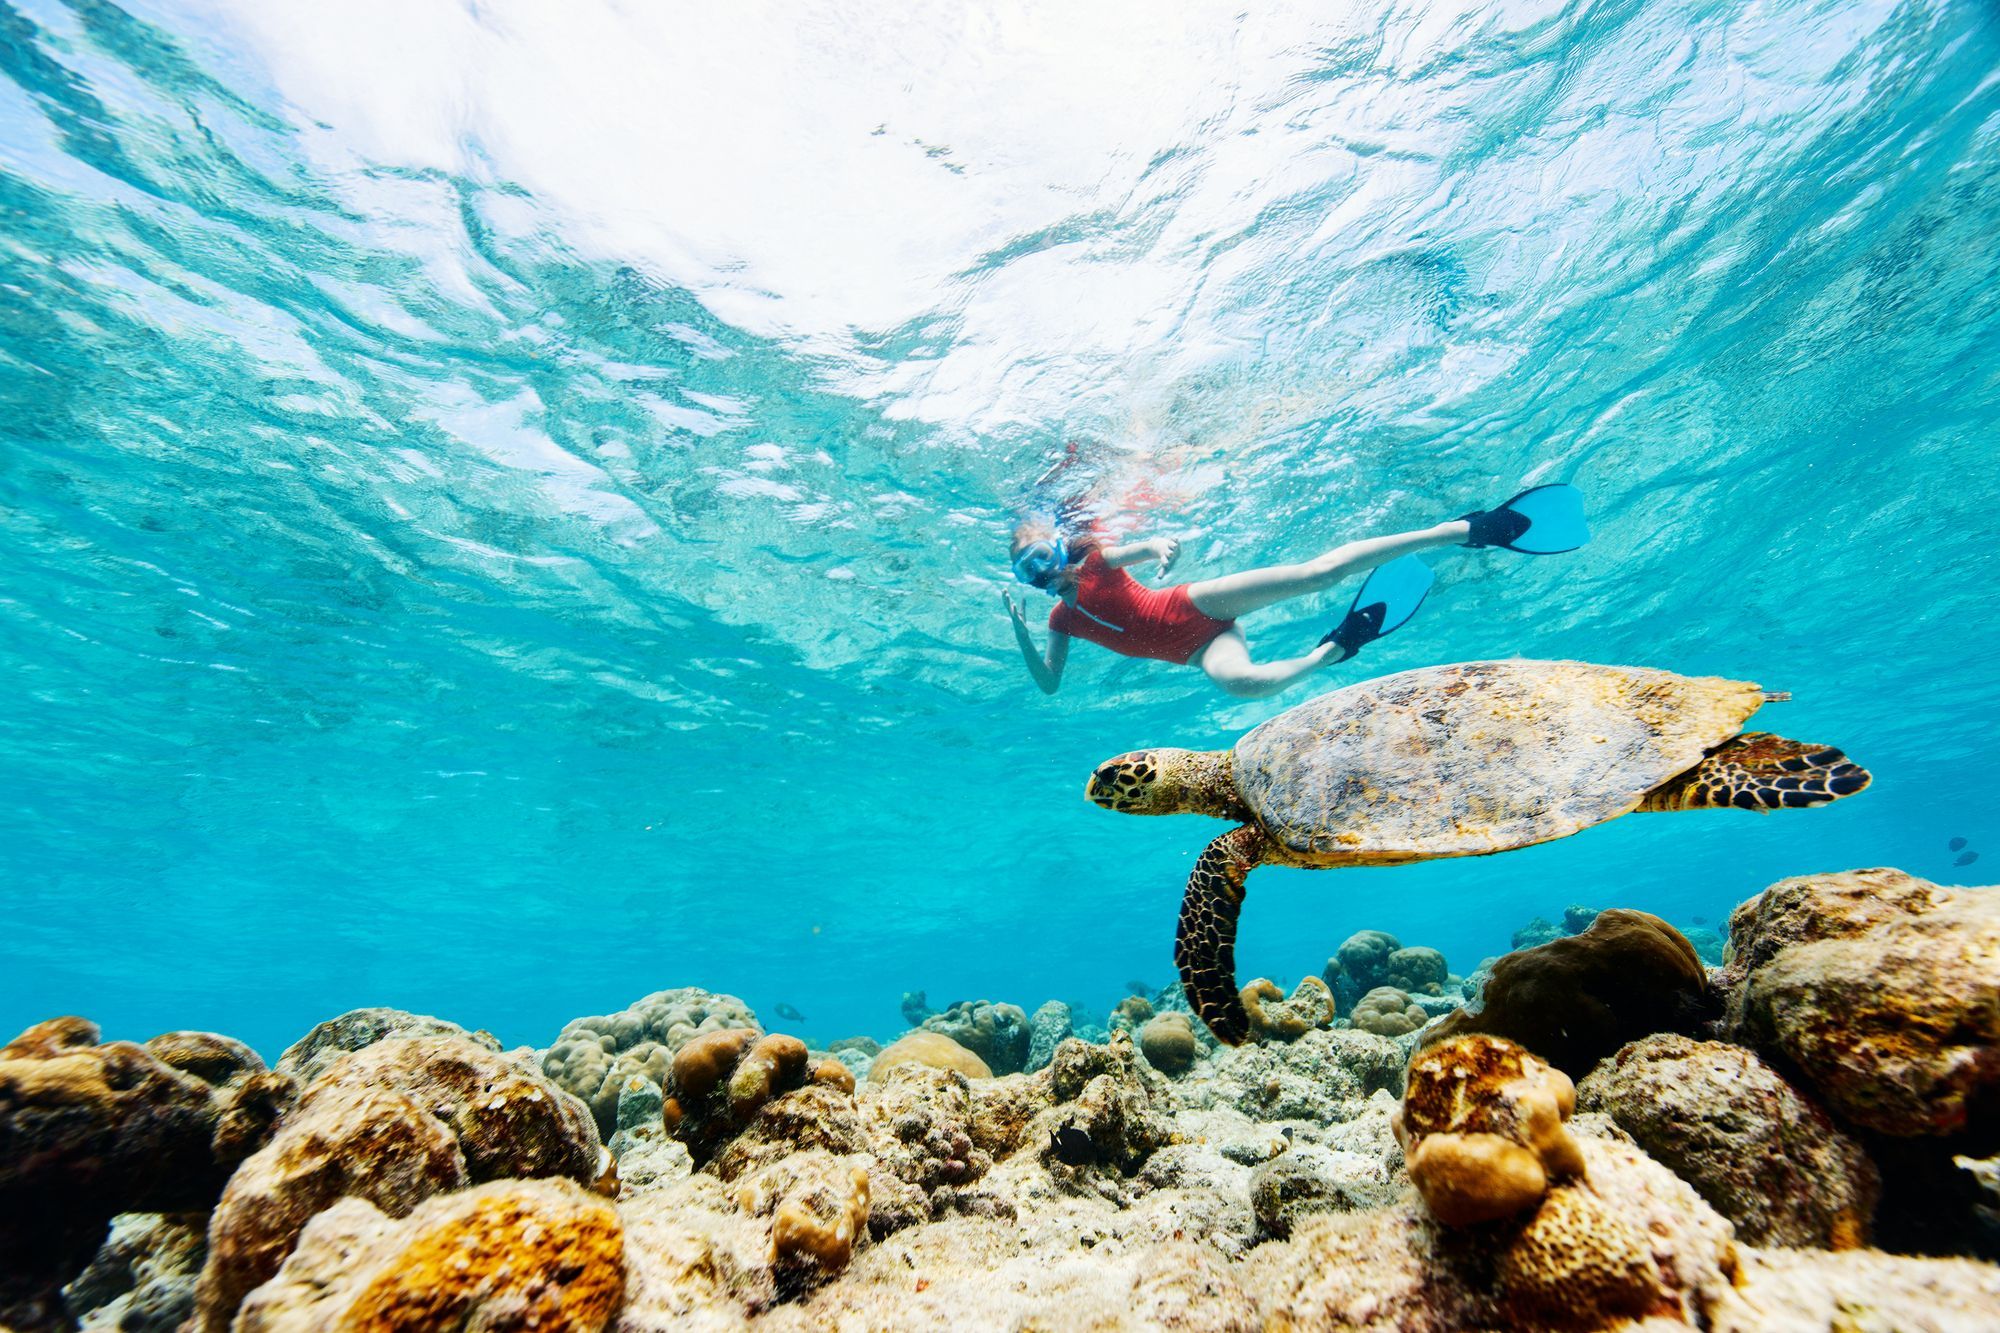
(1542, 520)
(1389, 597)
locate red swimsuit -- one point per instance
(1116, 610)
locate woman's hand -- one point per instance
(1168, 549)
(1014, 609)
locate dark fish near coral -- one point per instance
(1697, 920)
(785, 1011)
(1956, 844)
(1966, 858)
(1138, 988)
(1072, 1145)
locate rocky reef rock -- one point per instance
(1048, 1027)
(1388, 1012)
(1416, 971)
(1539, 931)
(1482, 1128)
(313, 1054)
(924, 1047)
(142, 1278)
(1632, 1243)
(1274, 1017)
(921, 1128)
(1324, 1076)
(89, 1131)
(1577, 918)
(1761, 1153)
(1168, 1042)
(818, 1206)
(392, 1124)
(915, 1008)
(1108, 1094)
(1577, 999)
(1882, 990)
(1130, 1014)
(509, 1254)
(592, 1057)
(1307, 1180)
(997, 1033)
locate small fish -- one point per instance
(785, 1011)
(1072, 1145)
(1697, 920)
(1138, 988)
(1966, 858)
(1956, 844)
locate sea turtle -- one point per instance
(1459, 760)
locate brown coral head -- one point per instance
(1469, 1178)
(701, 1065)
(1274, 1017)
(772, 1065)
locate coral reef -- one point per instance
(818, 1206)
(592, 1057)
(1708, 943)
(997, 1033)
(142, 1278)
(313, 1054)
(1130, 1013)
(1882, 990)
(1577, 918)
(726, 1082)
(1387, 1012)
(915, 1008)
(1359, 964)
(924, 1047)
(1048, 1027)
(1760, 1152)
(392, 1124)
(1273, 1017)
(90, 1130)
(1538, 931)
(1482, 1128)
(1307, 1180)
(509, 1254)
(1416, 971)
(1577, 999)
(1168, 1042)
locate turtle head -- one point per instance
(1166, 782)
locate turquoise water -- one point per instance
(502, 509)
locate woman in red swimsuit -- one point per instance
(1189, 623)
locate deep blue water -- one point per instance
(502, 507)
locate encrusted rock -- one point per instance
(723, 1081)
(1762, 1153)
(1482, 1127)
(1577, 999)
(89, 1131)
(1273, 1017)
(1324, 1076)
(1882, 990)
(592, 1057)
(1538, 931)
(394, 1124)
(313, 1054)
(1388, 1012)
(1109, 1095)
(996, 1033)
(142, 1278)
(1049, 1027)
(818, 1206)
(1307, 1180)
(509, 1254)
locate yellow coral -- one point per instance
(1273, 1017)
(923, 1047)
(1578, 1259)
(1481, 1126)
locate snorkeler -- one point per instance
(1194, 624)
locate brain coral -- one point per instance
(313, 1054)
(1168, 1042)
(510, 1254)
(1388, 1012)
(1418, 970)
(592, 1057)
(1882, 989)
(1481, 1126)
(1577, 999)
(924, 1047)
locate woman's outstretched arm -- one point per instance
(1166, 550)
(1046, 671)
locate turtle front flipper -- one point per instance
(1205, 941)
(1759, 771)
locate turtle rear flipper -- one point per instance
(1205, 940)
(1760, 771)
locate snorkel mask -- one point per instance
(1039, 562)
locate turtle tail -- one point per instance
(1205, 941)
(1760, 771)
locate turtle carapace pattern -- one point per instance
(1460, 760)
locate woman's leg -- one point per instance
(1235, 595)
(1227, 662)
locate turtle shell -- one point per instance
(1477, 757)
